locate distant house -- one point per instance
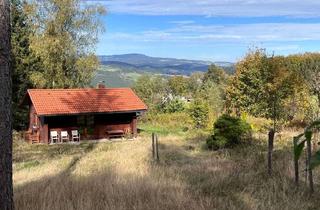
(94, 113)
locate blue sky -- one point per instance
(215, 30)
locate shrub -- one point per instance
(166, 123)
(174, 105)
(199, 112)
(229, 131)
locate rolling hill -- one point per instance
(123, 70)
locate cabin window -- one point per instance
(81, 120)
(86, 122)
(90, 121)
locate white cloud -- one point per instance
(235, 8)
(241, 33)
(182, 22)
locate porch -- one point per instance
(75, 128)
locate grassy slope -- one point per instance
(122, 175)
(115, 77)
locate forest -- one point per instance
(242, 140)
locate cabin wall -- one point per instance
(90, 126)
(109, 122)
(32, 117)
(44, 130)
(33, 132)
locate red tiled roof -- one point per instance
(76, 101)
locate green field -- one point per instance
(115, 77)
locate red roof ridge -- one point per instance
(84, 100)
(75, 89)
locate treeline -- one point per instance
(201, 95)
(284, 89)
(53, 44)
(281, 88)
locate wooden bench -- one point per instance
(115, 133)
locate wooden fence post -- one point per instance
(310, 177)
(157, 146)
(153, 145)
(296, 166)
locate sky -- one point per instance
(213, 30)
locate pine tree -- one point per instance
(23, 61)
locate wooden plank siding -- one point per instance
(94, 126)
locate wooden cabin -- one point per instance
(96, 113)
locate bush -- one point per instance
(229, 131)
(174, 105)
(199, 112)
(166, 123)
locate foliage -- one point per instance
(215, 74)
(199, 112)
(300, 140)
(202, 99)
(23, 61)
(262, 86)
(174, 105)
(310, 68)
(178, 85)
(152, 90)
(276, 87)
(213, 94)
(166, 123)
(64, 36)
(258, 124)
(195, 82)
(229, 131)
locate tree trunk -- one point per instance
(6, 191)
(270, 150)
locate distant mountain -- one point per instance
(173, 66)
(123, 70)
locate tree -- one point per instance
(215, 74)
(178, 85)
(152, 90)
(260, 87)
(199, 111)
(64, 37)
(174, 105)
(6, 191)
(310, 68)
(213, 94)
(195, 82)
(23, 61)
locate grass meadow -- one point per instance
(122, 175)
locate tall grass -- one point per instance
(122, 175)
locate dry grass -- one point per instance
(122, 175)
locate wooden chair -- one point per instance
(54, 137)
(64, 136)
(75, 135)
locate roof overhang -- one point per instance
(93, 113)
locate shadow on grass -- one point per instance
(185, 178)
(237, 178)
(28, 156)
